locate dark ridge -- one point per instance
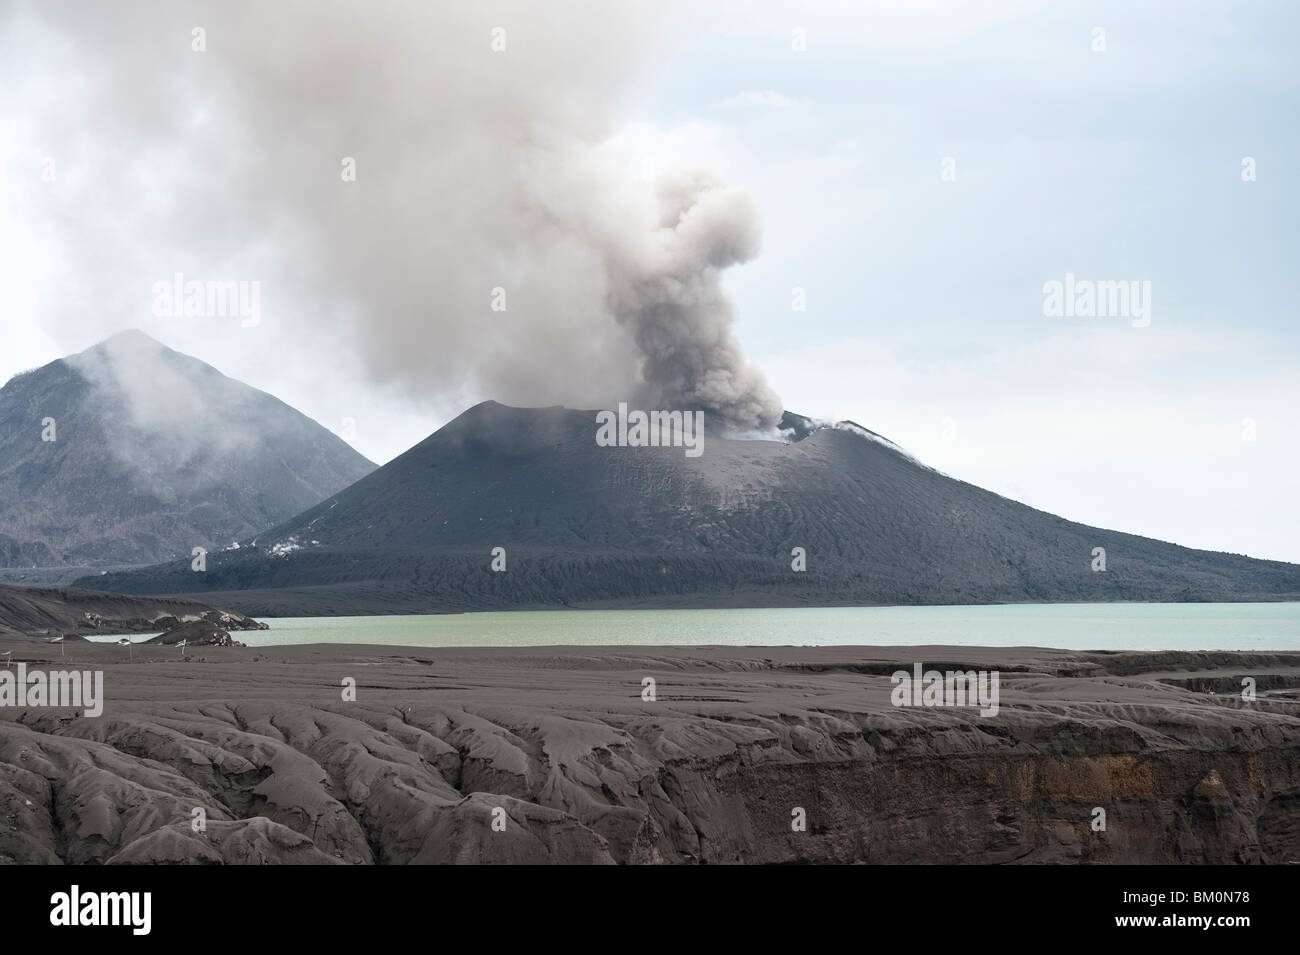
(69, 611)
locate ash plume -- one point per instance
(497, 240)
(669, 296)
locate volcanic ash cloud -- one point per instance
(485, 167)
(670, 298)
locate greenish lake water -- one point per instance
(1202, 626)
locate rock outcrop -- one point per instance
(71, 611)
(196, 633)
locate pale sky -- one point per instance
(924, 314)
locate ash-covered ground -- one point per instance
(557, 755)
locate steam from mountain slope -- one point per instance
(487, 173)
(167, 414)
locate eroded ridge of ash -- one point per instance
(560, 745)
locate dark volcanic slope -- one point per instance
(586, 525)
(585, 770)
(74, 612)
(155, 453)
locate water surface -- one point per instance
(1197, 626)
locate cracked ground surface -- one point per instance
(553, 755)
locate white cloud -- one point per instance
(758, 99)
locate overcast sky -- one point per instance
(924, 315)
